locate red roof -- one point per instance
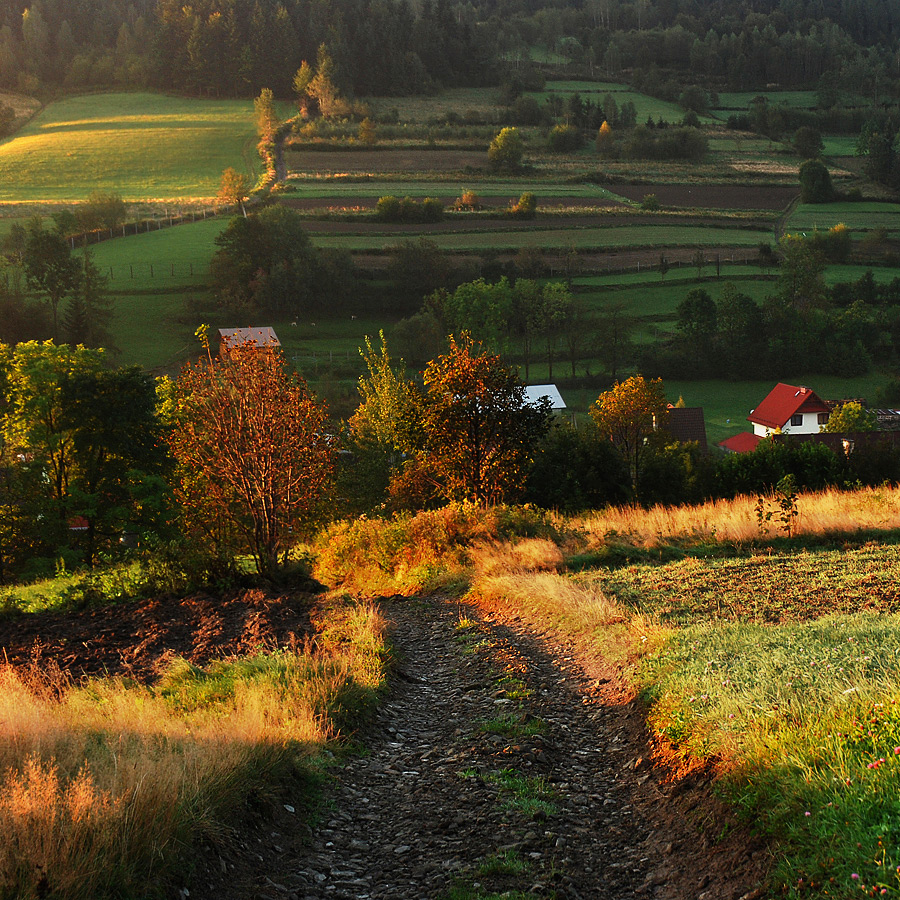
(784, 401)
(741, 443)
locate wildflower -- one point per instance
(855, 877)
(807, 813)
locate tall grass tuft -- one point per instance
(106, 784)
(821, 513)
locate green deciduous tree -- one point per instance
(50, 267)
(254, 453)
(90, 432)
(815, 182)
(849, 418)
(266, 261)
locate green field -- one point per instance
(881, 274)
(659, 236)
(732, 101)
(856, 216)
(644, 104)
(727, 404)
(839, 145)
(142, 146)
(424, 109)
(178, 248)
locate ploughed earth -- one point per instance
(504, 758)
(139, 639)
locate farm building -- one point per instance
(687, 424)
(740, 443)
(790, 410)
(534, 393)
(262, 338)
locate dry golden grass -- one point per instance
(575, 606)
(105, 784)
(527, 555)
(820, 513)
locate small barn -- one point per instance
(259, 338)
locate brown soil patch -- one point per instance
(374, 162)
(138, 639)
(710, 196)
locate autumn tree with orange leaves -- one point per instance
(479, 429)
(253, 451)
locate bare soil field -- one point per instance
(138, 639)
(710, 196)
(376, 162)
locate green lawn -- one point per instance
(856, 216)
(143, 146)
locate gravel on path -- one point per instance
(504, 759)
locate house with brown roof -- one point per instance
(687, 424)
(791, 410)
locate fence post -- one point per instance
(151, 270)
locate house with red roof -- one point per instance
(791, 410)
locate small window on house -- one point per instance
(797, 420)
(823, 418)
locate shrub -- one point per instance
(432, 210)
(468, 200)
(525, 207)
(564, 139)
(650, 203)
(387, 209)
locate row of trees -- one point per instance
(237, 456)
(235, 47)
(72, 301)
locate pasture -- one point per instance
(143, 146)
(856, 216)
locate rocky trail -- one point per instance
(502, 761)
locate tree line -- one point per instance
(236, 47)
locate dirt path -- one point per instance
(500, 762)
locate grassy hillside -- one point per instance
(143, 146)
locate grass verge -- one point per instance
(107, 784)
